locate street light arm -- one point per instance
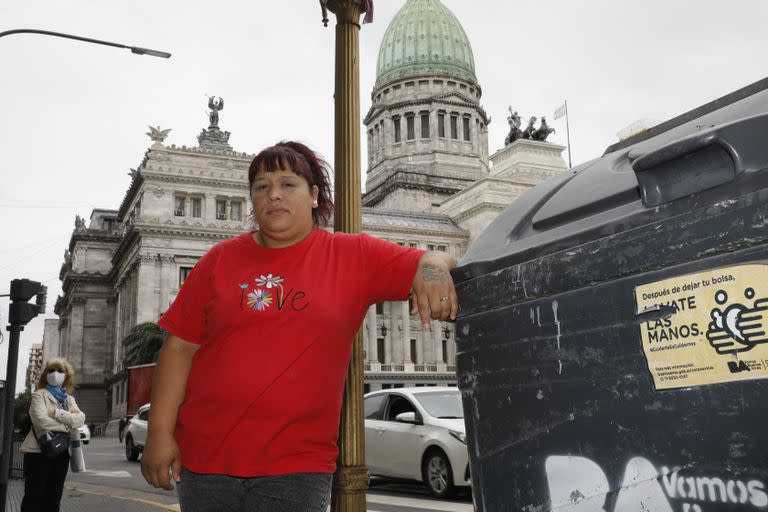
(134, 49)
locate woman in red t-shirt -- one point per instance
(248, 387)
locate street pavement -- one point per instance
(113, 484)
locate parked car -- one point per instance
(136, 433)
(85, 434)
(418, 434)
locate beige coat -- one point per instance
(43, 402)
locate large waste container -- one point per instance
(612, 347)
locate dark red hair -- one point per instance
(303, 162)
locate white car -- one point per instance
(418, 434)
(85, 434)
(136, 433)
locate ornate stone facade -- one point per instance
(127, 265)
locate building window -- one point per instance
(467, 135)
(380, 350)
(413, 351)
(413, 244)
(425, 125)
(398, 135)
(445, 351)
(197, 207)
(221, 209)
(454, 126)
(441, 124)
(379, 308)
(386, 386)
(410, 127)
(398, 385)
(179, 206)
(236, 211)
(183, 274)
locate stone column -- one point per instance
(75, 347)
(371, 156)
(351, 478)
(395, 333)
(428, 343)
(451, 347)
(165, 281)
(111, 333)
(209, 208)
(386, 137)
(146, 304)
(382, 138)
(433, 126)
(484, 146)
(436, 338)
(406, 319)
(372, 335)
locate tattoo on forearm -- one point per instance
(432, 272)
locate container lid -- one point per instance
(711, 153)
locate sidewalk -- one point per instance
(79, 497)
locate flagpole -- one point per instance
(568, 133)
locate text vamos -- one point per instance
(714, 489)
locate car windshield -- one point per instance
(442, 404)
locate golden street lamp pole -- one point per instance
(352, 476)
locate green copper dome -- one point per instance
(425, 37)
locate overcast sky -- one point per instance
(75, 114)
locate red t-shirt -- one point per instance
(275, 328)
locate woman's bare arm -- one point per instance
(169, 381)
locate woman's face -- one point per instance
(55, 375)
(282, 206)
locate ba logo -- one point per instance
(738, 366)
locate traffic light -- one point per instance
(21, 311)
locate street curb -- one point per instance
(170, 503)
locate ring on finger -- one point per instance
(443, 299)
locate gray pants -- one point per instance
(300, 492)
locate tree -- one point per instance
(21, 412)
(143, 344)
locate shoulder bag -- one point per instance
(52, 444)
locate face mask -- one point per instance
(56, 378)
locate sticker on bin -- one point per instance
(718, 331)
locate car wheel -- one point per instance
(131, 453)
(437, 474)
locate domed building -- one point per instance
(427, 133)
(430, 182)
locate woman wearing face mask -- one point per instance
(248, 387)
(53, 409)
